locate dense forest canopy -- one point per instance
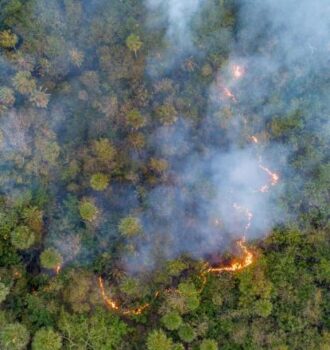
(164, 174)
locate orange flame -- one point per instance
(58, 269)
(229, 94)
(114, 306)
(237, 265)
(108, 301)
(254, 139)
(238, 71)
(273, 178)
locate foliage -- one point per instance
(209, 344)
(187, 333)
(129, 226)
(172, 320)
(101, 331)
(99, 93)
(8, 39)
(134, 43)
(4, 291)
(87, 209)
(50, 258)
(22, 237)
(157, 340)
(46, 339)
(14, 336)
(99, 181)
(24, 83)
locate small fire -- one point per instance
(58, 269)
(114, 306)
(236, 265)
(238, 71)
(108, 301)
(136, 311)
(229, 94)
(247, 213)
(254, 139)
(273, 178)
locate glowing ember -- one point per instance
(114, 306)
(273, 178)
(236, 265)
(108, 301)
(136, 311)
(229, 94)
(247, 213)
(238, 71)
(254, 139)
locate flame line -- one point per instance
(114, 306)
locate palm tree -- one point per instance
(134, 43)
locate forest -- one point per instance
(164, 175)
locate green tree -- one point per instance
(100, 330)
(22, 237)
(33, 218)
(172, 320)
(177, 346)
(134, 43)
(24, 83)
(166, 113)
(78, 290)
(187, 333)
(263, 307)
(157, 340)
(8, 39)
(134, 119)
(14, 336)
(7, 96)
(50, 258)
(158, 165)
(130, 226)
(46, 339)
(99, 181)
(39, 98)
(209, 344)
(77, 57)
(87, 209)
(104, 150)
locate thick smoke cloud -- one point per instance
(277, 41)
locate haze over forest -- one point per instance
(164, 174)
